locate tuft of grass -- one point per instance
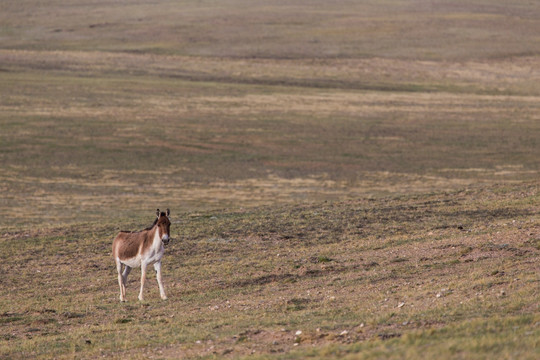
(323, 259)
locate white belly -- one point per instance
(150, 257)
(133, 262)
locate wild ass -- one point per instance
(141, 248)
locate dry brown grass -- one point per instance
(404, 29)
(365, 172)
(76, 144)
(453, 274)
(507, 75)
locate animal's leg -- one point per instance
(125, 274)
(157, 266)
(121, 281)
(143, 279)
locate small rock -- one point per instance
(443, 293)
(343, 333)
(362, 325)
(400, 305)
(299, 332)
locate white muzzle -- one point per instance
(165, 239)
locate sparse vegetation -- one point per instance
(425, 289)
(347, 179)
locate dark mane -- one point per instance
(153, 224)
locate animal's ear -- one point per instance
(157, 213)
(168, 212)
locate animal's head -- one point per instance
(164, 225)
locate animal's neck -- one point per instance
(156, 239)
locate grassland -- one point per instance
(85, 132)
(365, 172)
(448, 274)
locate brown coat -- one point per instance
(141, 248)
